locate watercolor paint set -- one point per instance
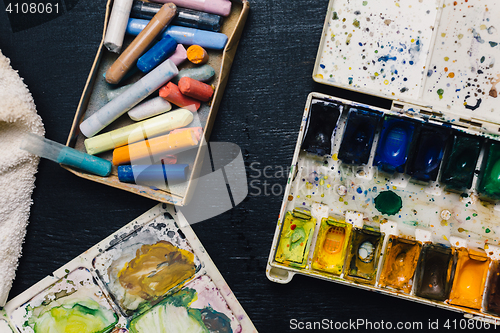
(159, 157)
(153, 275)
(404, 201)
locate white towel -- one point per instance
(17, 169)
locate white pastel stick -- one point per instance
(130, 98)
(117, 25)
(112, 94)
(149, 109)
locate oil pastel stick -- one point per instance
(127, 59)
(202, 73)
(155, 55)
(179, 55)
(167, 144)
(219, 7)
(148, 109)
(112, 94)
(170, 173)
(197, 55)
(195, 89)
(65, 155)
(172, 94)
(117, 25)
(197, 131)
(127, 76)
(185, 17)
(177, 58)
(139, 131)
(121, 104)
(183, 35)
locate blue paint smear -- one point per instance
(429, 73)
(386, 58)
(477, 36)
(322, 66)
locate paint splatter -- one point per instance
(470, 106)
(440, 92)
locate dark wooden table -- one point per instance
(261, 112)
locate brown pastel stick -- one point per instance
(172, 94)
(195, 89)
(197, 55)
(128, 58)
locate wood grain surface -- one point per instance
(261, 112)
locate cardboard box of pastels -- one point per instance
(151, 276)
(151, 101)
(405, 200)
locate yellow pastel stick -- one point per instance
(139, 131)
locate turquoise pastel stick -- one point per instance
(65, 155)
(202, 73)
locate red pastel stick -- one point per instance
(195, 89)
(172, 94)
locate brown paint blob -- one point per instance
(156, 269)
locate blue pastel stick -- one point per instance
(183, 35)
(65, 155)
(170, 173)
(159, 52)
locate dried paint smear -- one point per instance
(75, 304)
(156, 269)
(199, 307)
(146, 266)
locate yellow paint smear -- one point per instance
(156, 269)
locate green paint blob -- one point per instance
(388, 203)
(365, 3)
(487, 230)
(355, 23)
(440, 92)
(335, 16)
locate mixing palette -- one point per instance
(152, 276)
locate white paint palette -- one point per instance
(153, 275)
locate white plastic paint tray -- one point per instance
(92, 280)
(435, 60)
